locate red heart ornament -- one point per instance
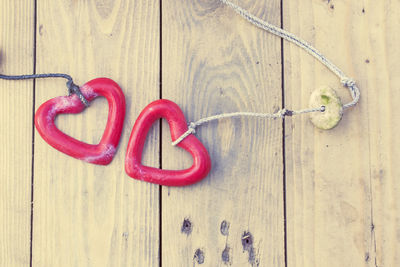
(173, 114)
(101, 153)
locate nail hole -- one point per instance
(247, 243)
(247, 240)
(186, 226)
(199, 256)
(224, 228)
(225, 255)
(323, 108)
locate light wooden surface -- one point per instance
(343, 195)
(213, 63)
(86, 214)
(16, 108)
(279, 194)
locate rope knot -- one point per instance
(192, 127)
(281, 113)
(348, 82)
(74, 89)
(191, 130)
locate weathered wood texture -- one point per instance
(16, 56)
(381, 81)
(214, 62)
(342, 185)
(88, 215)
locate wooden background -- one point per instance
(279, 193)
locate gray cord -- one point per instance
(347, 82)
(72, 87)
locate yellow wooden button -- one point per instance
(330, 117)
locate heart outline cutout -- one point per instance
(167, 109)
(104, 151)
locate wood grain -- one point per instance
(16, 103)
(342, 190)
(342, 186)
(382, 80)
(215, 62)
(88, 215)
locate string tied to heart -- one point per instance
(72, 87)
(345, 80)
(279, 114)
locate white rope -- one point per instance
(279, 114)
(346, 82)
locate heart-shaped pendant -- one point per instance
(173, 114)
(101, 153)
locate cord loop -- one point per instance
(348, 82)
(74, 89)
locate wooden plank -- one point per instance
(381, 28)
(216, 62)
(16, 100)
(342, 205)
(88, 215)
